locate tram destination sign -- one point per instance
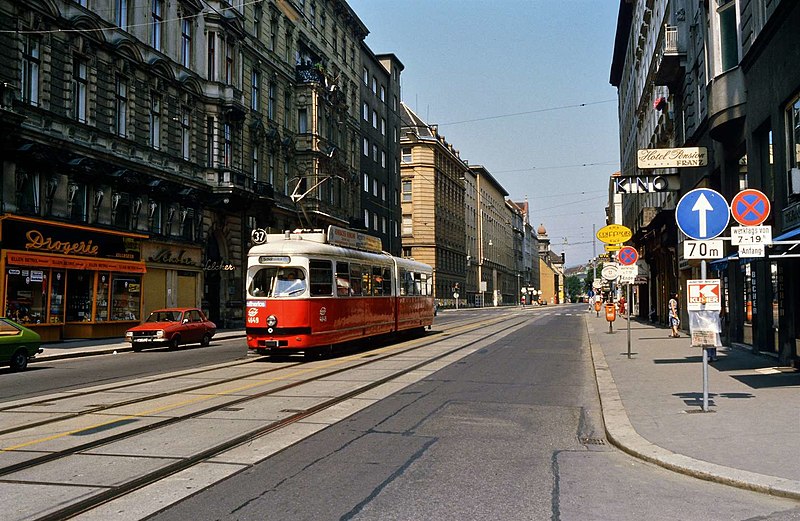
(672, 157)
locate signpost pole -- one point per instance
(705, 351)
(628, 303)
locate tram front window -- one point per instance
(278, 282)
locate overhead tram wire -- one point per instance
(537, 111)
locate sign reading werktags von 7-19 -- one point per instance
(703, 295)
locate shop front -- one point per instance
(174, 276)
(66, 281)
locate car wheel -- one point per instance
(206, 340)
(19, 360)
(174, 341)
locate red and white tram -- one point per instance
(310, 290)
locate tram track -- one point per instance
(297, 376)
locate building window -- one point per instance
(793, 119)
(375, 187)
(375, 221)
(383, 127)
(286, 177)
(121, 107)
(383, 159)
(211, 56)
(186, 42)
(366, 182)
(408, 229)
(121, 13)
(185, 132)
(155, 121)
(407, 194)
(406, 154)
(30, 70)
(157, 20)
(728, 34)
(366, 147)
(227, 135)
(383, 192)
(210, 141)
(383, 225)
(271, 164)
(271, 100)
(365, 111)
(80, 89)
(302, 121)
(366, 218)
(366, 76)
(383, 93)
(374, 85)
(256, 163)
(230, 62)
(273, 34)
(255, 89)
(375, 153)
(258, 13)
(375, 119)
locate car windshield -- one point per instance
(164, 316)
(278, 282)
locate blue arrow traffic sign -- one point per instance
(702, 214)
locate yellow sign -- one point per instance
(614, 234)
(613, 247)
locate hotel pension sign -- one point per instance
(672, 157)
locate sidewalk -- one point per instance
(104, 346)
(652, 407)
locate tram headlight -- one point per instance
(272, 321)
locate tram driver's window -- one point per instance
(262, 282)
(321, 275)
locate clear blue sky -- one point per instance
(504, 80)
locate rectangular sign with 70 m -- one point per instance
(702, 249)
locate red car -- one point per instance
(172, 327)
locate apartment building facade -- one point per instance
(144, 141)
(721, 75)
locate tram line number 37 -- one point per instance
(702, 249)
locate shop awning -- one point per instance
(786, 236)
(73, 263)
(721, 264)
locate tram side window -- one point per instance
(321, 274)
(377, 281)
(425, 285)
(355, 279)
(387, 281)
(408, 288)
(342, 279)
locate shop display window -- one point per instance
(101, 297)
(126, 291)
(26, 295)
(57, 279)
(79, 296)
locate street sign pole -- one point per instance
(628, 303)
(705, 351)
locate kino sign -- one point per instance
(672, 157)
(644, 184)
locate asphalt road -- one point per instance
(510, 432)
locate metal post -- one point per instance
(629, 318)
(705, 350)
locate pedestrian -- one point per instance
(621, 305)
(674, 316)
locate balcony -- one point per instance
(669, 59)
(310, 74)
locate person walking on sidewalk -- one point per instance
(674, 318)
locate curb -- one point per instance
(117, 347)
(621, 434)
